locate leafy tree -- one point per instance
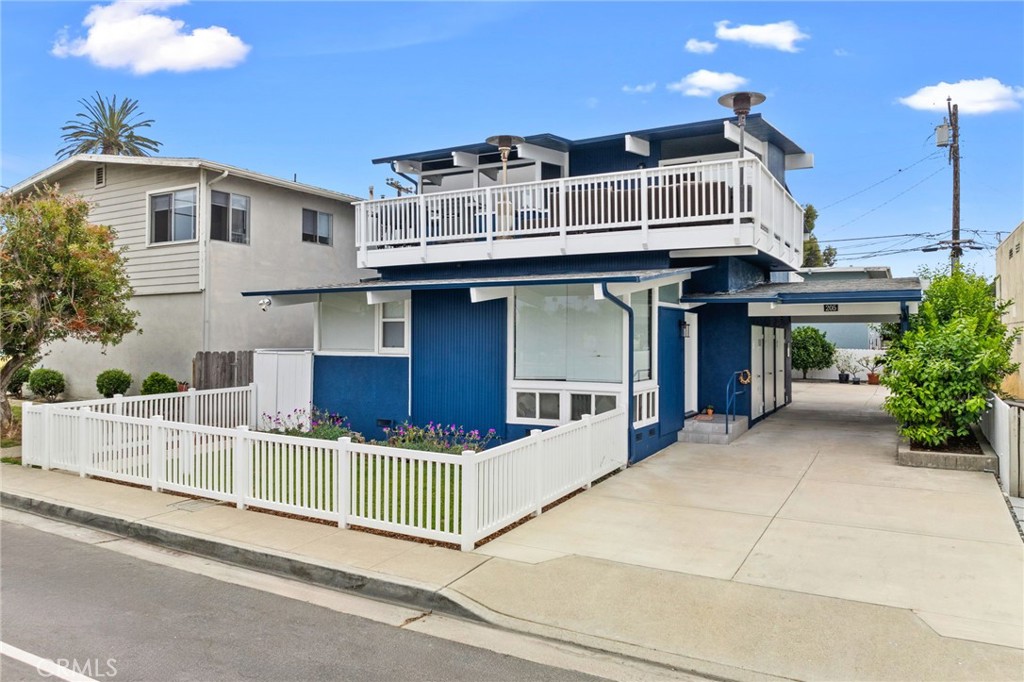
(940, 372)
(814, 257)
(60, 278)
(106, 127)
(812, 350)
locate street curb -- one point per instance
(371, 586)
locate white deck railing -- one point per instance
(452, 498)
(588, 214)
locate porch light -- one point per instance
(741, 104)
(504, 144)
(684, 329)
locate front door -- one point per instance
(671, 375)
(756, 371)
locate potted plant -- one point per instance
(872, 363)
(845, 365)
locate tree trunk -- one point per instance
(6, 415)
(6, 373)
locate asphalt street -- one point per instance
(116, 617)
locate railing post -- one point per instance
(119, 404)
(253, 406)
(563, 215)
(47, 438)
(190, 406)
(361, 236)
(28, 436)
(421, 205)
(644, 220)
(157, 451)
(588, 426)
(240, 464)
(83, 440)
(538, 472)
(469, 501)
(343, 481)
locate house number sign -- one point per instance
(831, 307)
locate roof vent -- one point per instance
(101, 175)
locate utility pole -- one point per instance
(954, 155)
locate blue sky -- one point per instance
(318, 89)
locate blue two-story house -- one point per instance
(529, 281)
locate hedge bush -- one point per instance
(158, 382)
(113, 381)
(20, 377)
(46, 383)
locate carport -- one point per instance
(772, 308)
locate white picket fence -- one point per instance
(450, 498)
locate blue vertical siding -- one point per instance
(364, 389)
(728, 274)
(610, 157)
(723, 348)
(458, 360)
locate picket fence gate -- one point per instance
(203, 443)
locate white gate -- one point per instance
(284, 381)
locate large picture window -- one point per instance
(172, 216)
(562, 333)
(316, 226)
(640, 302)
(347, 323)
(229, 217)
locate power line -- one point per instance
(889, 201)
(883, 180)
(881, 236)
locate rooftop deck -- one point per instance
(695, 208)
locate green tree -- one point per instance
(60, 278)
(940, 372)
(814, 257)
(812, 350)
(106, 127)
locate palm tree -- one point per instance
(107, 127)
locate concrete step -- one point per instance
(712, 431)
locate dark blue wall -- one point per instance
(610, 157)
(364, 389)
(459, 360)
(728, 274)
(723, 341)
(776, 163)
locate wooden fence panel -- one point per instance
(221, 369)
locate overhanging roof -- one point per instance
(826, 291)
(755, 126)
(66, 166)
(636, 276)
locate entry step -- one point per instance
(701, 429)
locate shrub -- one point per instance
(157, 382)
(46, 383)
(436, 438)
(20, 377)
(113, 381)
(845, 363)
(811, 349)
(940, 376)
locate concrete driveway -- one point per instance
(810, 501)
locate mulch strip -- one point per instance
(964, 444)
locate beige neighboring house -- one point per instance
(1010, 287)
(196, 234)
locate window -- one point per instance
(392, 326)
(562, 333)
(229, 217)
(348, 324)
(534, 405)
(640, 302)
(316, 226)
(172, 216)
(586, 403)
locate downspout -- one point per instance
(629, 375)
(205, 247)
(415, 183)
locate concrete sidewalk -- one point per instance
(801, 551)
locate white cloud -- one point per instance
(781, 35)
(981, 96)
(700, 46)
(704, 83)
(130, 34)
(641, 89)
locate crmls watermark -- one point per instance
(95, 668)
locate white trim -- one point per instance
(703, 158)
(388, 296)
(407, 328)
(482, 294)
(149, 215)
(638, 145)
(732, 133)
